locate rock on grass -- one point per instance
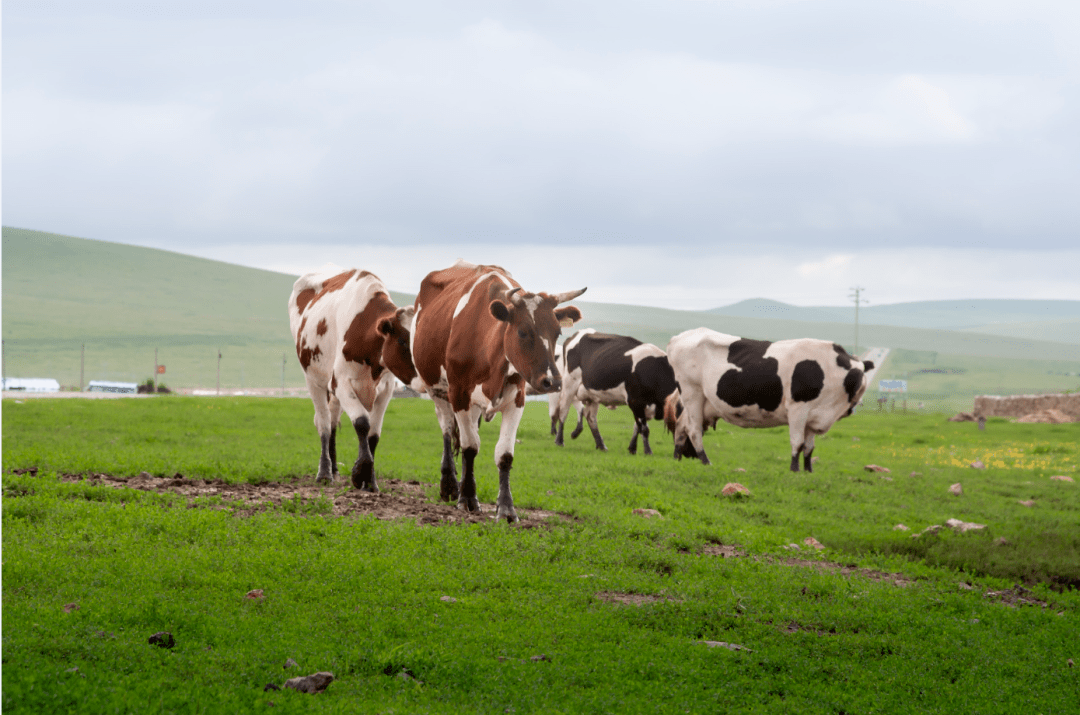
(314, 683)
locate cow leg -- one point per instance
(808, 452)
(591, 408)
(335, 421)
(694, 405)
(448, 485)
(562, 411)
(504, 460)
(797, 435)
(641, 426)
(321, 399)
(384, 392)
(580, 409)
(470, 445)
(363, 471)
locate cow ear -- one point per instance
(567, 316)
(500, 311)
(386, 326)
(405, 316)
(868, 365)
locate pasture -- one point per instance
(584, 606)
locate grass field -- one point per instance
(543, 616)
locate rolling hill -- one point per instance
(122, 302)
(1051, 320)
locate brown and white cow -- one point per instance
(478, 341)
(352, 341)
(806, 384)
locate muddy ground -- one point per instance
(397, 499)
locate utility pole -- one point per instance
(155, 371)
(219, 371)
(857, 290)
(82, 369)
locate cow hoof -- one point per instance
(469, 504)
(507, 513)
(324, 479)
(448, 489)
(372, 488)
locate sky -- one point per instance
(683, 154)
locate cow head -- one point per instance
(532, 329)
(396, 355)
(676, 423)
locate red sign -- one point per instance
(160, 369)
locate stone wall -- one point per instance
(1023, 405)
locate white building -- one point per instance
(31, 384)
(124, 388)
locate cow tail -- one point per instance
(455, 438)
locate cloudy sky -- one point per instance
(678, 153)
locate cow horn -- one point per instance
(568, 295)
(514, 297)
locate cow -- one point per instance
(555, 398)
(806, 384)
(611, 370)
(352, 341)
(478, 340)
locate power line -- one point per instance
(856, 296)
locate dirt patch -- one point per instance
(398, 499)
(1016, 596)
(631, 599)
(727, 551)
(828, 566)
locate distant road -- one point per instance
(878, 355)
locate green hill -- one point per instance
(122, 302)
(1051, 320)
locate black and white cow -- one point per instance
(555, 398)
(612, 370)
(806, 384)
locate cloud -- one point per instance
(693, 126)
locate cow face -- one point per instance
(396, 355)
(533, 325)
(676, 423)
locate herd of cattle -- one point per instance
(476, 342)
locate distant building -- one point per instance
(31, 384)
(124, 388)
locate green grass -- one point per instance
(362, 598)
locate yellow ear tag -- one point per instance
(566, 323)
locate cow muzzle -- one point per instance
(547, 384)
